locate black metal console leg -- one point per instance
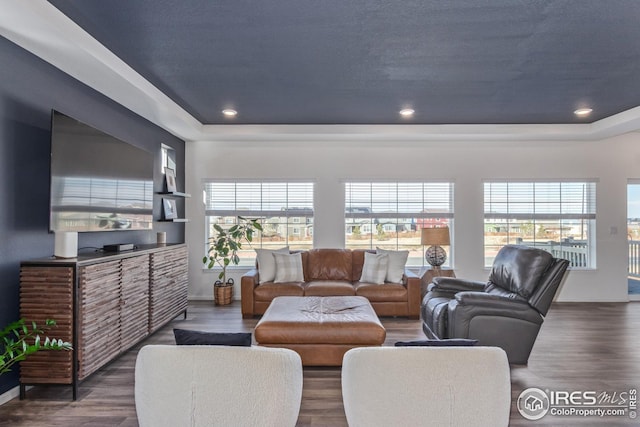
(23, 391)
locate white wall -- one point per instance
(467, 164)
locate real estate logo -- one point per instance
(533, 404)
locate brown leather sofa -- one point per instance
(334, 272)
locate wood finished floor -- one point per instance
(580, 347)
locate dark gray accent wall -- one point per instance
(29, 89)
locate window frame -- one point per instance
(426, 216)
(566, 246)
(290, 213)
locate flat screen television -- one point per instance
(98, 182)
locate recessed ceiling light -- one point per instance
(407, 112)
(228, 112)
(583, 112)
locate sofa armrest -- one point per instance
(248, 282)
(413, 285)
(408, 274)
(456, 285)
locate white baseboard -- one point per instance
(9, 395)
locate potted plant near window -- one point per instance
(223, 251)
(18, 341)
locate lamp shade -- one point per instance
(435, 236)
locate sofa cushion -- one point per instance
(519, 269)
(329, 264)
(391, 292)
(267, 263)
(374, 269)
(358, 262)
(395, 268)
(288, 268)
(329, 288)
(268, 291)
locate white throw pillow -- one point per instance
(267, 263)
(374, 269)
(397, 262)
(288, 268)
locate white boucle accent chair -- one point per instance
(426, 386)
(217, 386)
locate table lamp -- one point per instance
(435, 238)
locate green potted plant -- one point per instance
(18, 341)
(223, 251)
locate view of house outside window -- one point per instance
(558, 217)
(390, 215)
(285, 210)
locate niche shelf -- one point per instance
(171, 195)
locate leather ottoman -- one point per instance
(320, 329)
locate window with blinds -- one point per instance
(390, 215)
(285, 210)
(558, 217)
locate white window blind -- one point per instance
(259, 199)
(398, 199)
(540, 200)
(556, 216)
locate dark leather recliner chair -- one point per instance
(506, 312)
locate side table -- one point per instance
(428, 273)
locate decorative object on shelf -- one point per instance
(161, 237)
(170, 180)
(66, 244)
(169, 209)
(19, 341)
(224, 246)
(435, 237)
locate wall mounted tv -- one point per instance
(98, 182)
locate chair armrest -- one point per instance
(248, 282)
(468, 305)
(413, 285)
(506, 321)
(453, 284)
(490, 300)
